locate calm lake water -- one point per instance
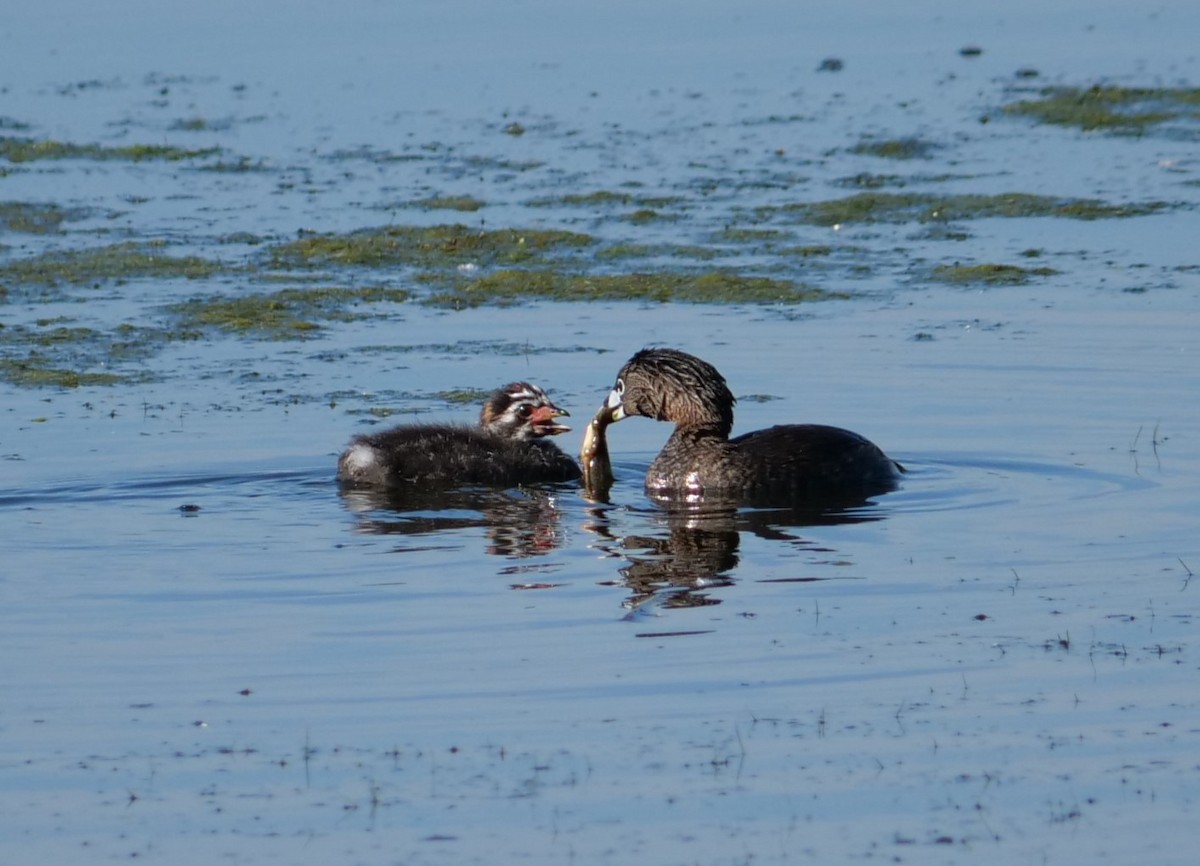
(213, 655)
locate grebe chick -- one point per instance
(510, 446)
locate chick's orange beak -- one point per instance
(543, 420)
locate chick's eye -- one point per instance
(524, 410)
(620, 386)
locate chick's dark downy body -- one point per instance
(508, 447)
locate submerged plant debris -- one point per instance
(1126, 110)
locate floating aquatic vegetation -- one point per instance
(464, 203)
(752, 235)
(881, 207)
(511, 286)
(57, 353)
(30, 149)
(896, 148)
(34, 372)
(38, 219)
(239, 165)
(627, 251)
(606, 198)
(427, 247)
(647, 215)
(463, 396)
(867, 180)
(990, 274)
(283, 314)
(495, 348)
(120, 262)
(1128, 110)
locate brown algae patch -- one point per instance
(1127, 110)
(429, 247)
(287, 313)
(119, 262)
(882, 207)
(988, 274)
(31, 149)
(511, 286)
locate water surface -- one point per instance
(214, 654)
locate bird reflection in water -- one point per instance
(519, 522)
(697, 547)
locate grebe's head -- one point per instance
(670, 385)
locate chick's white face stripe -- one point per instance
(528, 393)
